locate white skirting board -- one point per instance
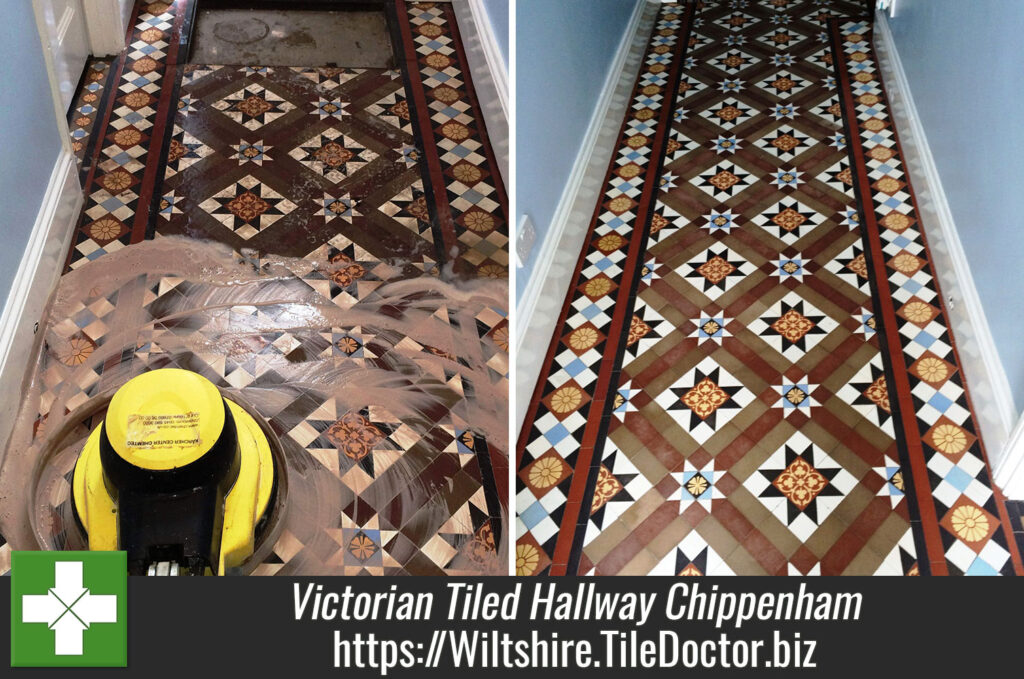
(35, 280)
(538, 308)
(1009, 474)
(492, 53)
(489, 74)
(982, 368)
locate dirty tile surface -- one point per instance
(292, 38)
(364, 180)
(753, 372)
(88, 102)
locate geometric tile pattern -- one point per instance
(378, 484)
(87, 105)
(329, 141)
(282, 187)
(120, 170)
(786, 444)
(964, 523)
(325, 165)
(590, 317)
(468, 191)
(800, 485)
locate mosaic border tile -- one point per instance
(603, 374)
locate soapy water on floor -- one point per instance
(388, 396)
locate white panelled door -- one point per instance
(67, 39)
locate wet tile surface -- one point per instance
(722, 395)
(328, 166)
(88, 102)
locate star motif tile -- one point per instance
(783, 111)
(665, 222)
(720, 220)
(793, 326)
(795, 396)
(789, 267)
(646, 328)
(724, 180)
(789, 220)
(184, 151)
(392, 109)
(253, 106)
(619, 485)
(801, 485)
(679, 145)
(697, 485)
(247, 206)
(716, 270)
(785, 142)
(254, 152)
(783, 84)
(711, 327)
(735, 61)
(704, 399)
(728, 113)
(839, 177)
(692, 557)
(780, 38)
(894, 487)
(868, 394)
(333, 154)
(735, 21)
(725, 144)
(829, 111)
(331, 108)
(342, 207)
(851, 266)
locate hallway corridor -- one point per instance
(753, 371)
(343, 274)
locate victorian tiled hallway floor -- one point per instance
(370, 175)
(753, 372)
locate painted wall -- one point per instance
(29, 141)
(563, 52)
(498, 13)
(963, 61)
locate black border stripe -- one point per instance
(391, 14)
(923, 564)
(670, 102)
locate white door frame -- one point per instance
(1009, 474)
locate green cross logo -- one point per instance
(68, 609)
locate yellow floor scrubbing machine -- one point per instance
(176, 475)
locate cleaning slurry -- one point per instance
(387, 407)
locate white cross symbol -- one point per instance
(68, 608)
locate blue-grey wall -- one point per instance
(497, 12)
(964, 64)
(564, 49)
(29, 140)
